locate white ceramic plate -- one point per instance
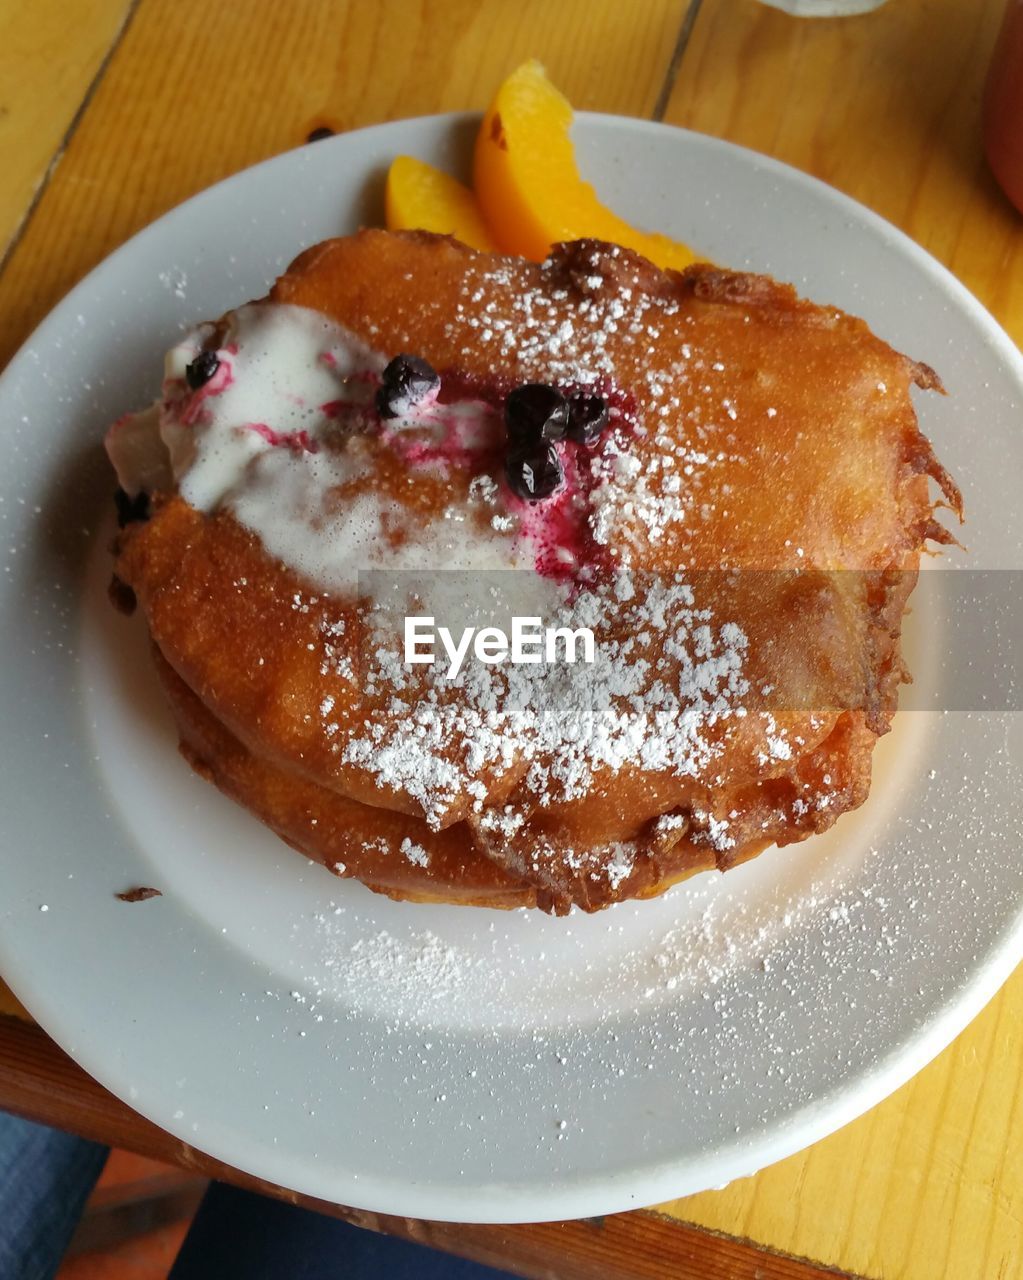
(458, 1064)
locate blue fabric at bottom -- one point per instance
(45, 1179)
(237, 1235)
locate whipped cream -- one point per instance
(284, 435)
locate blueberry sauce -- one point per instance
(565, 549)
(219, 380)
(299, 441)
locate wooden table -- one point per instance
(111, 111)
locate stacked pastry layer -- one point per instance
(740, 537)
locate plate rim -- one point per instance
(643, 1184)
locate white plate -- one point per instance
(457, 1064)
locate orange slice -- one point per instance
(528, 185)
(421, 198)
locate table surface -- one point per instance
(112, 111)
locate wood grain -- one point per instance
(9, 1003)
(929, 1185)
(37, 1079)
(885, 106)
(48, 66)
(196, 91)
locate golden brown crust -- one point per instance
(813, 485)
(350, 839)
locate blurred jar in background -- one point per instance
(824, 8)
(1003, 106)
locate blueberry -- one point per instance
(535, 414)
(407, 381)
(536, 473)
(587, 418)
(202, 368)
(130, 510)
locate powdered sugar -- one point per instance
(327, 486)
(565, 724)
(415, 853)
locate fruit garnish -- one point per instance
(528, 184)
(587, 418)
(535, 474)
(535, 414)
(130, 509)
(420, 197)
(406, 382)
(201, 369)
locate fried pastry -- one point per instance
(724, 485)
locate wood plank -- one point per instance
(150, 137)
(117, 1214)
(47, 64)
(37, 1079)
(885, 106)
(9, 1003)
(929, 1186)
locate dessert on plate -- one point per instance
(724, 484)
